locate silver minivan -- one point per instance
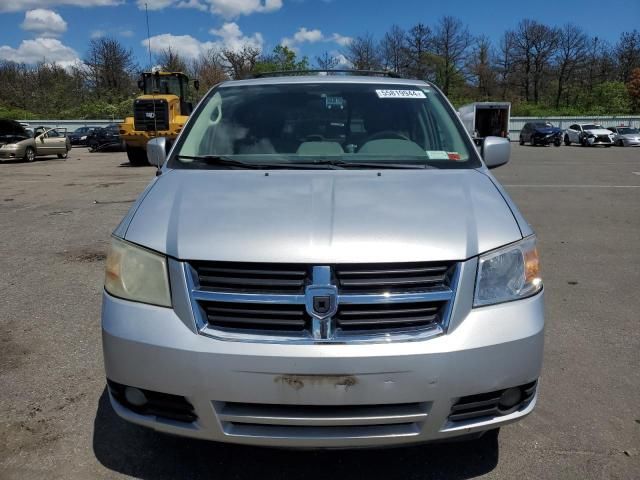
(324, 261)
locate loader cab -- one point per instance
(165, 83)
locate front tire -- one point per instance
(137, 157)
(521, 141)
(29, 155)
(620, 143)
(567, 142)
(557, 142)
(63, 155)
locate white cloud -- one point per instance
(126, 33)
(155, 4)
(341, 40)
(229, 36)
(224, 8)
(193, 4)
(21, 5)
(47, 50)
(98, 34)
(304, 35)
(46, 23)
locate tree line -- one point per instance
(541, 69)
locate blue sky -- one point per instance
(59, 30)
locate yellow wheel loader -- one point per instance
(161, 111)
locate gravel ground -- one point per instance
(55, 418)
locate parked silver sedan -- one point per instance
(626, 136)
(16, 143)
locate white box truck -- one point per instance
(486, 119)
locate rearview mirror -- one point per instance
(495, 151)
(156, 151)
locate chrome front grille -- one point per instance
(285, 303)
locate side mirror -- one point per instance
(156, 151)
(196, 84)
(496, 151)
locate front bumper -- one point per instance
(237, 389)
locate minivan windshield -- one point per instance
(339, 124)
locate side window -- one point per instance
(574, 127)
(53, 134)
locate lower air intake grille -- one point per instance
(162, 405)
(474, 407)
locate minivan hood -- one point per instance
(323, 216)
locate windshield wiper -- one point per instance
(390, 165)
(224, 161)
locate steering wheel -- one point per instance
(385, 134)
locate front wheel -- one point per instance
(557, 142)
(63, 155)
(521, 141)
(567, 142)
(29, 155)
(620, 143)
(137, 157)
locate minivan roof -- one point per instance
(301, 79)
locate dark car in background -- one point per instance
(540, 133)
(107, 138)
(80, 135)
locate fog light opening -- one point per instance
(135, 396)
(510, 398)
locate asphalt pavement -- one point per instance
(56, 422)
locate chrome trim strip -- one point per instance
(246, 297)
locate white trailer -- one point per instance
(486, 119)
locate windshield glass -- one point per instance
(627, 131)
(543, 125)
(340, 122)
(591, 127)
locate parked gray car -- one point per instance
(324, 261)
(17, 143)
(626, 136)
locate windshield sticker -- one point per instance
(437, 155)
(454, 156)
(400, 94)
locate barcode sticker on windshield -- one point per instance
(400, 94)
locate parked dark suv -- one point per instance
(540, 133)
(80, 135)
(105, 138)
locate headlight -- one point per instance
(509, 273)
(84, 137)
(137, 274)
(10, 146)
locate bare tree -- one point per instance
(571, 55)
(506, 62)
(481, 69)
(451, 42)
(394, 49)
(326, 61)
(209, 69)
(627, 53)
(110, 68)
(419, 53)
(172, 61)
(362, 52)
(535, 45)
(240, 63)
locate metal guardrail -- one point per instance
(515, 124)
(70, 125)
